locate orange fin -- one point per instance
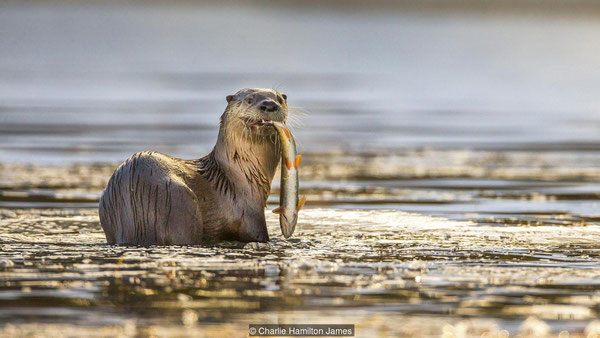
(279, 210)
(297, 161)
(288, 163)
(287, 132)
(301, 203)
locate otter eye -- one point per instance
(280, 100)
(249, 100)
(284, 96)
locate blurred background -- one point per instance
(98, 80)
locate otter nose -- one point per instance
(268, 106)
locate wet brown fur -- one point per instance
(156, 199)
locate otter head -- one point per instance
(249, 108)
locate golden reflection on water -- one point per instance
(519, 246)
(342, 266)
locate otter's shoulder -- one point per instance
(159, 162)
(151, 157)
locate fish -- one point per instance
(289, 203)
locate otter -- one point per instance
(156, 199)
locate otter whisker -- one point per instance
(298, 110)
(294, 121)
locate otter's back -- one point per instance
(147, 202)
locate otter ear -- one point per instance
(284, 96)
(230, 98)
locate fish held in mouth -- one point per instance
(289, 202)
(259, 123)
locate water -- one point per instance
(451, 163)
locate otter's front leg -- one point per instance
(253, 227)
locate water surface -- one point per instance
(451, 164)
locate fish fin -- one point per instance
(287, 132)
(297, 161)
(279, 210)
(301, 203)
(288, 163)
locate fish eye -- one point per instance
(249, 100)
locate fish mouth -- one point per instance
(286, 228)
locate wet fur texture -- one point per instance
(156, 199)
